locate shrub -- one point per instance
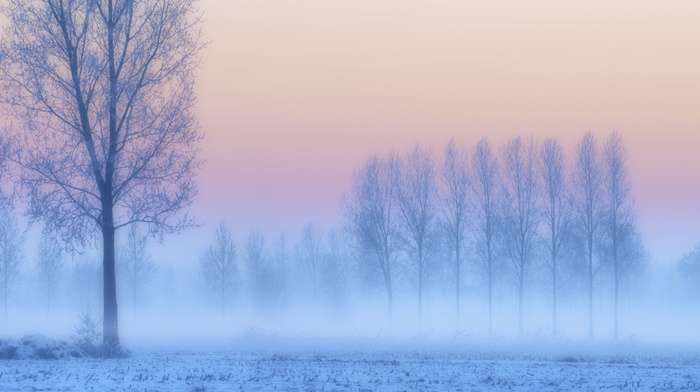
(86, 334)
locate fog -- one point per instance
(175, 306)
(392, 268)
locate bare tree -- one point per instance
(219, 267)
(485, 183)
(688, 269)
(255, 254)
(309, 254)
(588, 200)
(336, 266)
(555, 210)
(371, 213)
(11, 253)
(85, 281)
(454, 200)
(136, 265)
(281, 259)
(103, 97)
(415, 193)
(623, 243)
(50, 265)
(520, 214)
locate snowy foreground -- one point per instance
(288, 365)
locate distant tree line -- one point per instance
(525, 204)
(521, 210)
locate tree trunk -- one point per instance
(420, 292)
(520, 306)
(457, 288)
(387, 282)
(313, 278)
(48, 298)
(590, 296)
(554, 273)
(554, 296)
(111, 322)
(616, 271)
(390, 298)
(134, 300)
(616, 291)
(490, 300)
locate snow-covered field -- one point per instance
(368, 366)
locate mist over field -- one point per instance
(175, 304)
(388, 270)
(204, 195)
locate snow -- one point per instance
(366, 366)
(38, 347)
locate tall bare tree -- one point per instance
(688, 270)
(281, 260)
(623, 242)
(85, 283)
(50, 265)
(371, 213)
(336, 267)
(219, 268)
(588, 200)
(555, 209)
(11, 253)
(136, 265)
(103, 97)
(416, 193)
(520, 213)
(486, 200)
(310, 253)
(257, 266)
(454, 201)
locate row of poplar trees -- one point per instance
(523, 201)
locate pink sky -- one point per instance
(295, 95)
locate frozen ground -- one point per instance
(287, 365)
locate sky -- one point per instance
(296, 95)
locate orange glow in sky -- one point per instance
(295, 95)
